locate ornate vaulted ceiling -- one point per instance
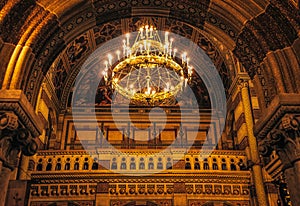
(69, 62)
(53, 30)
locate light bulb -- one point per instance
(110, 59)
(118, 54)
(127, 38)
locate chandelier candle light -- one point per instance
(148, 72)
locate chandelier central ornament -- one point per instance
(150, 72)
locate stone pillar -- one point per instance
(13, 139)
(254, 154)
(24, 167)
(4, 181)
(285, 139)
(293, 183)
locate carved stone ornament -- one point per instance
(285, 140)
(13, 139)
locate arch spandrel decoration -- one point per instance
(69, 62)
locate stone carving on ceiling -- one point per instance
(10, 27)
(289, 10)
(179, 28)
(222, 24)
(210, 50)
(59, 76)
(267, 32)
(107, 31)
(181, 10)
(283, 17)
(77, 50)
(112, 9)
(46, 57)
(225, 76)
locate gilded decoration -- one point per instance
(113, 29)
(253, 46)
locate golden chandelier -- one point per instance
(149, 72)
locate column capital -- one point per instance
(285, 140)
(13, 139)
(15, 101)
(243, 83)
(241, 80)
(271, 117)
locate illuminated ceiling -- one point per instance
(54, 29)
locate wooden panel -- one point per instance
(86, 135)
(114, 135)
(141, 135)
(168, 135)
(196, 135)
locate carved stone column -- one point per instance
(19, 125)
(285, 140)
(254, 154)
(4, 180)
(23, 168)
(13, 139)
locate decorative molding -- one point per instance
(240, 177)
(281, 105)
(13, 139)
(15, 101)
(285, 140)
(122, 151)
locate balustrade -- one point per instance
(83, 161)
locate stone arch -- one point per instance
(44, 29)
(66, 72)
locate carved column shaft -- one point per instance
(285, 140)
(257, 169)
(4, 181)
(293, 181)
(13, 139)
(24, 167)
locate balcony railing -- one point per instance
(138, 161)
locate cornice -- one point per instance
(281, 105)
(201, 177)
(148, 151)
(16, 101)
